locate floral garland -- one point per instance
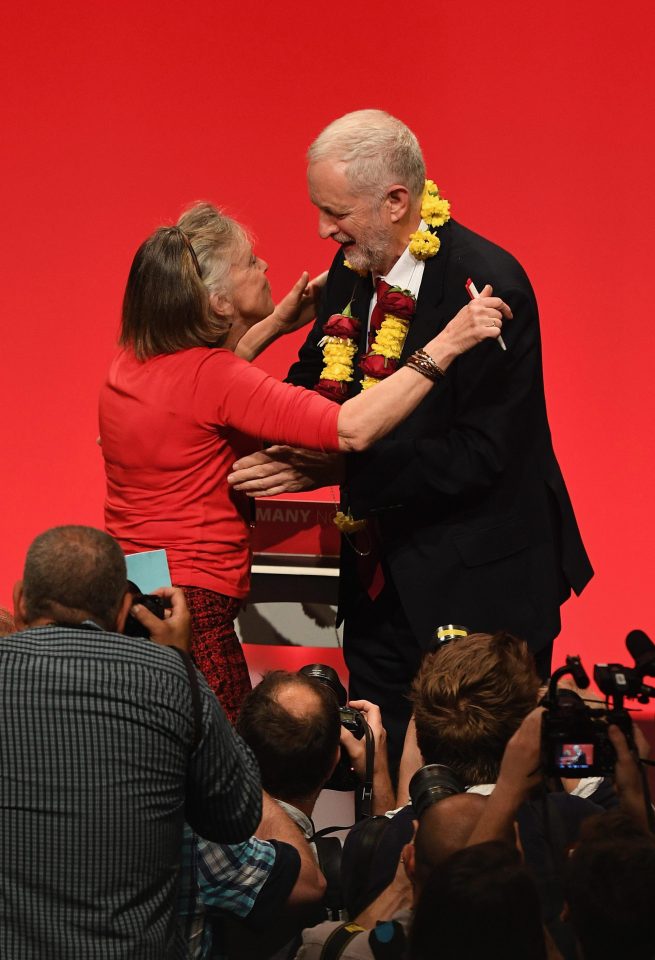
(390, 321)
(339, 343)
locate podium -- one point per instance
(295, 572)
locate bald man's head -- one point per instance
(291, 723)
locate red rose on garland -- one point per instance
(398, 302)
(332, 389)
(341, 325)
(373, 365)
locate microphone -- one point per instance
(578, 672)
(642, 650)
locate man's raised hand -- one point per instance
(175, 629)
(282, 469)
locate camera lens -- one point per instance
(328, 676)
(431, 784)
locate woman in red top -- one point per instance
(179, 407)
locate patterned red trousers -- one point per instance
(215, 647)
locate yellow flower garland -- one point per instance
(435, 211)
(390, 337)
(339, 352)
(360, 273)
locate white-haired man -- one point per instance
(469, 520)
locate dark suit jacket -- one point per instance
(474, 520)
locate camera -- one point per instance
(344, 778)
(430, 784)
(153, 603)
(575, 740)
(350, 718)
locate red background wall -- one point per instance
(535, 123)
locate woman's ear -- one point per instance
(221, 306)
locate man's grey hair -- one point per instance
(73, 574)
(378, 150)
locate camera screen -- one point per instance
(574, 756)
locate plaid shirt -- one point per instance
(96, 732)
(219, 876)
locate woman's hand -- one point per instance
(294, 311)
(299, 306)
(481, 319)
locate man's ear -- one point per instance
(408, 857)
(123, 611)
(398, 202)
(20, 610)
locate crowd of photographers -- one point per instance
(138, 823)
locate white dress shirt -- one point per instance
(406, 273)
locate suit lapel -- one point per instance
(427, 320)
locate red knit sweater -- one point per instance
(171, 428)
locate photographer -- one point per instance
(521, 771)
(232, 893)
(105, 758)
(470, 696)
(609, 881)
(608, 873)
(380, 929)
(291, 723)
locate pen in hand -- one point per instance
(473, 293)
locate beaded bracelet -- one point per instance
(423, 363)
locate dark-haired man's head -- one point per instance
(609, 884)
(469, 698)
(73, 574)
(291, 723)
(443, 829)
(480, 903)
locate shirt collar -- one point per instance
(299, 818)
(407, 271)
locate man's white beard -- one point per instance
(374, 254)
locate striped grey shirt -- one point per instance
(96, 733)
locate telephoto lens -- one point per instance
(431, 784)
(329, 676)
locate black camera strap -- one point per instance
(339, 939)
(196, 702)
(366, 802)
(328, 850)
(392, 946)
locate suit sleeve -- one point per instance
(488, 394)
(306, 371)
